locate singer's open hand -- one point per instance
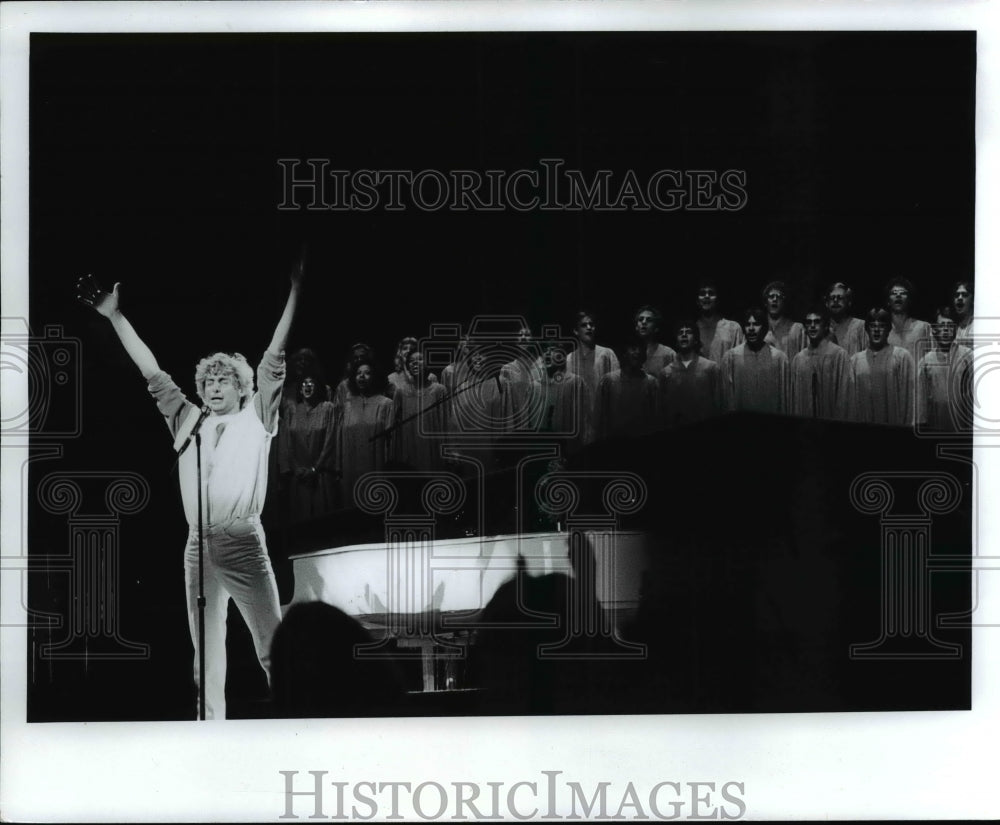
(299, 269)
(89, 292)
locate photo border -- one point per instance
(814, 766)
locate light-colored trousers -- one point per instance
(235, 565)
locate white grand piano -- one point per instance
(417, 589)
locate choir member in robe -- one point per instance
(754, 375)
(516, 378)
(358, 350)
(962, 299)
(845, 330)
(944, 379)
(400, 375)
(307, 451)
(475, 411)
(718, 334)
(418, 417)
(689, 385)
(648, 321)
(821, 373)
(883, 377)
(301, 363)
(906, 332)
(363, 446)
(563, 402)
(626, 400)
(783, 333)
(449, 372)
(589, 359)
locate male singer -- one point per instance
(235, 439)
(822, 381)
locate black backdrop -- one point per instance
(154, 163)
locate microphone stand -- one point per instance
(201, 579)
(195, 435)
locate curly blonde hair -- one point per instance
(226, 363)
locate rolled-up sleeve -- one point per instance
(270, 380)
(169, 400)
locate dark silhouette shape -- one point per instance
(318, 670)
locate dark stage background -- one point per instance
(154, 163)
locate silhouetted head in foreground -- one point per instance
(319, 667)
(532, 657)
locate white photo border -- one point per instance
(813, 766)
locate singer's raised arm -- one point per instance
(271, 370)
(106, 304)
(280, 336)
(169, 398)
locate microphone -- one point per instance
(183, 440)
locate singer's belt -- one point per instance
(223, 526)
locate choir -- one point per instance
(885, 367)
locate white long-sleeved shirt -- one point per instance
(234, 447)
